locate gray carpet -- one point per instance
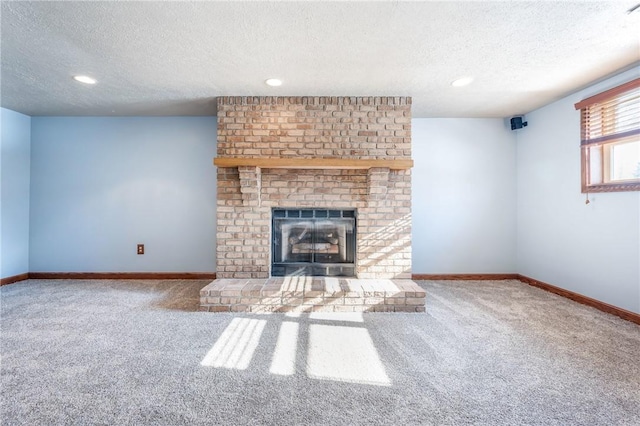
(138, 352)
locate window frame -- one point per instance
(605, 184)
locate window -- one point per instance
(610, 139)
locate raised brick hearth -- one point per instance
(312, 294)
(314, 153)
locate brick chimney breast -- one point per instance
(338, 128)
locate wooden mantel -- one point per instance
(312, 163)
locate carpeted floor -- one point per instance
(138, 352)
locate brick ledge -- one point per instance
(312, 294)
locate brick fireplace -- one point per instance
(272, 130)
(313, 154)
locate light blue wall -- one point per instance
(100, 185)
(592, 249)
(485, 199)
(463, 196)
(15, 142)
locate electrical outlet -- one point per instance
(140, 248)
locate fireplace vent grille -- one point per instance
(313, 213)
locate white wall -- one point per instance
(464, 196)
(15, 142)
(101, 185)
(590, 249)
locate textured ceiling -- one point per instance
(175, 58)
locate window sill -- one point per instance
(612, 187)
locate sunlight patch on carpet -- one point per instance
(337, 316)
(344, 354)
(236, 346)
(284, 356)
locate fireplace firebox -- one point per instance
(313, 242)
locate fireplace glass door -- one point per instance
(313, 242)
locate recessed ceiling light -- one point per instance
(274, 82)
(84, 79)
(464, 81)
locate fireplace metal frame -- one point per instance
(346, 268)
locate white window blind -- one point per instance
(611, 115)
(610, 139)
